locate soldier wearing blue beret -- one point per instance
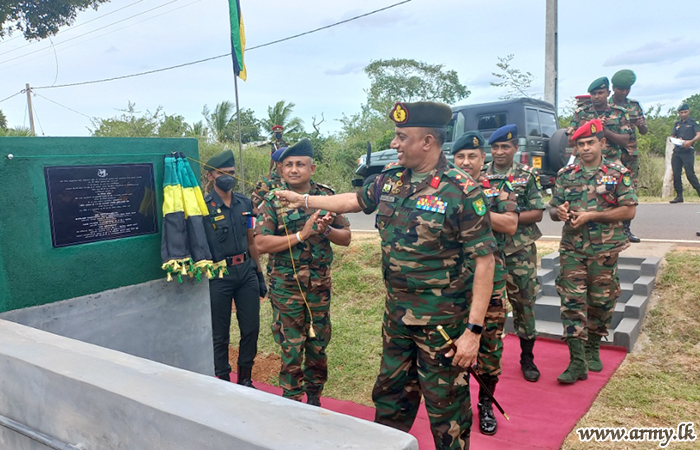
(520, 249)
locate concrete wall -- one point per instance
(32, 271)
(95, 398)
(164, 322)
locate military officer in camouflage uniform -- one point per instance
(614, 118)
(301, 322)
(432, 218)
(592, 197)
(622, 81)
(230, 237)
(469, 155)
(520, 250)
(266, 184)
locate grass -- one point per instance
(658, 385)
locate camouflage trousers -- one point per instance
(522, 289)
(304, 362)
(588, 287)
(488, 360)
(632, 164)
(413, 363)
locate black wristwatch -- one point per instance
(474, 328)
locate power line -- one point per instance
(89, 32)
(227, 54)
(62, 106)
(13, 95)
(70, 28)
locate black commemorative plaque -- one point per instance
(97, 203)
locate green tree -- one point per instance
(409, 80)
(17, 131)
(280, 114)
(40, 19)
(660, 126)
(3, 121)
(516, 82)
(223, 123)
(250, 126)
(694, 102)
(129, 124)
(173, 126)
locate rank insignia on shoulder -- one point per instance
(626, 180)
(479, 206)
(431, 203)
(435, 182)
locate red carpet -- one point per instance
(541, 414)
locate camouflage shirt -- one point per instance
(616, 120)
(634, 112)
(608, 187)
(316, 251)
(429, 230)
(264, 187)
(525, 182)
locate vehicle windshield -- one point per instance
(548, 124)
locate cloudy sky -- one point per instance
(322, 72)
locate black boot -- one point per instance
(678, 199)
(626, 228)
(224, 377)
(527, 360)
(244, 377)
(487, 420)
(313, 399)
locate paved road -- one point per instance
(654, 221)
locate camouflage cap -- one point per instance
(600, 83)
(505, 133)
(301, 148)
(684, 107)
(591, 128)
(421, 114)
(624, 79)
(223, 159)
(469, 141)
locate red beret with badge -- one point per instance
(588, 129)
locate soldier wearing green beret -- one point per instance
(614, 119)
(230, 238)
(469, 155)
(300, 274)
(432, 218)
(622, 82)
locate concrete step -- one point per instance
(628, 273)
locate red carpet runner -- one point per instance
(541, 414)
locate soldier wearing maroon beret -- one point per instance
(593, 197)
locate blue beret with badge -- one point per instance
(276, 155)
(469, 141)
(301, 148)
(505, 133)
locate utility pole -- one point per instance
(551, 63)
(31, 113)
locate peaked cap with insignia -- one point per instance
(301, 148)
(624, 79)
(600, 83)
(588, 129)
(469, 141)
(223, 159)
(505, 133)
(421, 114)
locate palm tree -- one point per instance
(219, 121)
(17, 132)
(280, 115)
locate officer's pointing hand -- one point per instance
(467, 346)
(290, 198)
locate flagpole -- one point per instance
(240, 140)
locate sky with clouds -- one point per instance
(322, 72)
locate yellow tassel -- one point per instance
(312, 333)
(169, 277)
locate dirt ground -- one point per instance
(265, 368)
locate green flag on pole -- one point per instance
(237, 39)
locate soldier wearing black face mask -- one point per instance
(277, 143)
(230, 236)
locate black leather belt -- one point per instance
(236, 259)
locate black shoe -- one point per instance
(487, 421)
(527, 360)
(244, 377)
(313, 399)
(697, 233)
(632, 237)
(224, 377)
(678, 199)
